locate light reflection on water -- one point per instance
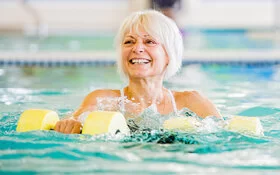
(251, 91)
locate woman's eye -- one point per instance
(127, 42)
(150, 42)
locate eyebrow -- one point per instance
(129, 36)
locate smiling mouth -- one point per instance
(139, 61)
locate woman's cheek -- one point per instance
(124, 65)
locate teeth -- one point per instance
(139, 61)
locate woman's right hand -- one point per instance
(68, 126)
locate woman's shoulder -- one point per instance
(90, 101)
(191, 98)
(196, 102)
(187, 94)
(91, 98)
(105, 93)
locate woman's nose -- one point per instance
(138, 47)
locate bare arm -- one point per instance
(72, 125)
(88, 104)
(199, 104)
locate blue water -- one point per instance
(236, 90)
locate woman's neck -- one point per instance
(145, 93)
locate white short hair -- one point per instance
(158, 26)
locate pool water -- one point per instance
(241, 89)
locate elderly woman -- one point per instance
(150, 51)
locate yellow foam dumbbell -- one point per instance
(100, 122)
(37, 119)
(246, 125)
(241, 124)
(97, 122)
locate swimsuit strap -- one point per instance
(122, 100)
(173, 101)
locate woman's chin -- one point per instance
(138, 76)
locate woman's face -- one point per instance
(143, 56)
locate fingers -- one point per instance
(77, 128)
(68, 126)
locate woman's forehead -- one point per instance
(136, 31)
(139, 33)
(135, 35)
(142, 31)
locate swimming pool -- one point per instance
(236, 89)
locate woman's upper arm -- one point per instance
(201, 105)
(89, 103)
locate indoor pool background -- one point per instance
(239, 89)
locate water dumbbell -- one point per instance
(97, 122)
(241, 124)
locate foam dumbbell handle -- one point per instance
(37, 119)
